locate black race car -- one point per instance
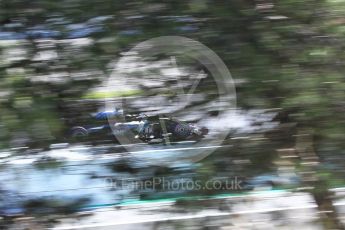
(150, 129)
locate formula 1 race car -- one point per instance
(153, 129)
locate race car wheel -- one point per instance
(79, 132)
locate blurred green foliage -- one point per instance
(290, 54)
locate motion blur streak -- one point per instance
(279, 130)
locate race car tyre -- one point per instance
(79, 132)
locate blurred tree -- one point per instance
(289, 52)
